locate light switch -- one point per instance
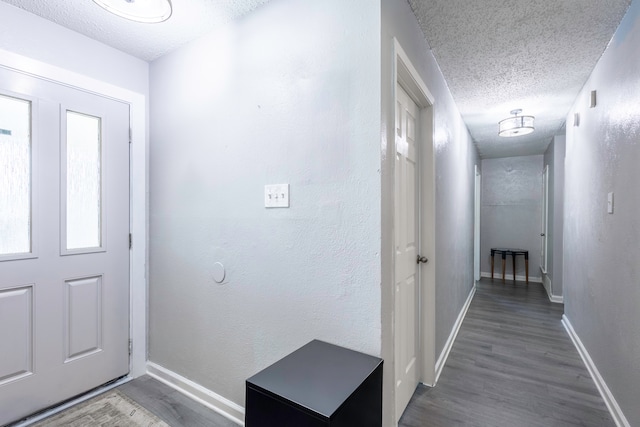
(276, 196)
(610, 203)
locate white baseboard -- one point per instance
(452, 337)
(558, 299)
(498, 276)
(200, 394)
(609, 400)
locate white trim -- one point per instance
(477, 190)
(41, 416)
(609, 399)
(498, 276)
(200, 394)
(442, 360)
(546, 281)
(138, 258)
(410, 79)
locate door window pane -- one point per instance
(84, 195)
(15, 176)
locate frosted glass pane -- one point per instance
(15, 176)
(83, 181)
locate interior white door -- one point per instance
(476, 225)
(407, 286)
(545, 219)
(64, 243)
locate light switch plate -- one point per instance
(276, 196)
(610, 203)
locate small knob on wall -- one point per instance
(422, 260)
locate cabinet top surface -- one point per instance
(318, 376)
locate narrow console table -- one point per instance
(513, 252)
(319, 384)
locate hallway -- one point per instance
(513, 364)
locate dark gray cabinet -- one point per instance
(320, 384)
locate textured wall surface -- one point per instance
(288, 94)
(601, 268)
(29, 35)
(455, 156)
(511, 211)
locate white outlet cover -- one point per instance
(276, 196)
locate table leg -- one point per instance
(492, 254)
(504, 259)
(526, 265)
(513, 259)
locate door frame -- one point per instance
(476, 223)
(544, 256)
(405, 74)
(138, 174)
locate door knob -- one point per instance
(422, 259)
(542, 234)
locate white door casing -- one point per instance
(545, 219)
(65, 307)
(407, 280)
(476, 225)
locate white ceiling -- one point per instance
(496, 55)
(499, 55)
(190, 20)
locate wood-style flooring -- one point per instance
(171, 406)
(512, 364)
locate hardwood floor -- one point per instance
(171, 406)
(512, 364)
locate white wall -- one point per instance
(511, 212)
(455, 156)
(601, 268)
(289, 94)
(29, 35)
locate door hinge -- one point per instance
(130, 135)
(130, 346)
(130, 241)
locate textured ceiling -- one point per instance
(190, 19)
(496, 55)
(499, 55)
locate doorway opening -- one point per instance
(414, 233)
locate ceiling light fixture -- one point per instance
(516, 125)
(147, 11)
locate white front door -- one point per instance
(64, 243)
(407, 286)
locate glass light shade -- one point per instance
(516, 126)
(148, 11)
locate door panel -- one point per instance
(545, 219)
(406, 251)
(64, 309)
(16, 328)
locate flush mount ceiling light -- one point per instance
(148, 11)
(516, 125)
